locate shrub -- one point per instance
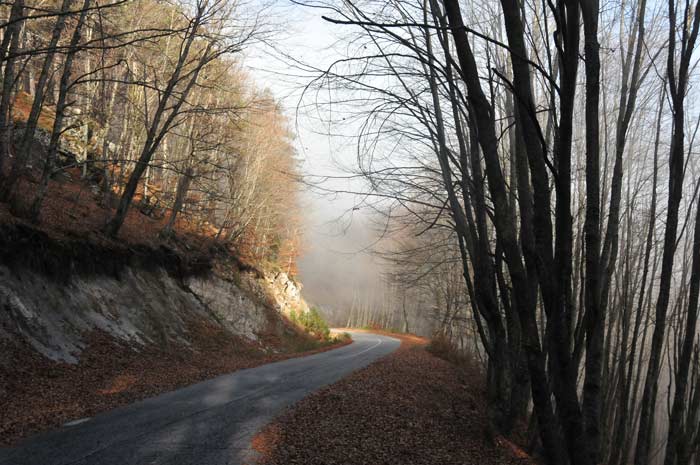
(312, 322)
(340, 337)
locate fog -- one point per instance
(336, 264)
(335, 267)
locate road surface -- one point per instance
(208, 423)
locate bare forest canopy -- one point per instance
(530, 164)
(146, 106)
(533, 169)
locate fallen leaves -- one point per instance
(409, 408)
(74, 208)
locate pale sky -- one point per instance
(332, 268)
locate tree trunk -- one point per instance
(678, 84)
(27, 140)
(183, 186)
(594, 318)
(676, 431)
(482, 115)
(12, 35)
(61, 106)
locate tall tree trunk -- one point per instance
(163, 117)
(594, 318)
(482, 115)
(27, 140)
(677, 79)
(61, 106)
(677, 429)
(621, 450)
(183, 186)
(12, 35)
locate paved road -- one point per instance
(209, 423)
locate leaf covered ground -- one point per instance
(409, 408)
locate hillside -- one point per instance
(148, 210)
(91, 322)
(88, 325)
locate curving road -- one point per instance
(208, 423)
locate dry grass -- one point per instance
(443, 347)
(71, 209)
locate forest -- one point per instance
(531, 167)
(146, 106)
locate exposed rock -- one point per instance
(286, 293)
(230, 305)
(138, 306)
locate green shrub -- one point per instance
(312, 322)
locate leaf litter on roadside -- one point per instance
(409, 408)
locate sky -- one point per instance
(335, 267)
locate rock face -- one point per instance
(286, 294)
(138, 305)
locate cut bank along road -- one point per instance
(208, 423)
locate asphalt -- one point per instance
(208, 423)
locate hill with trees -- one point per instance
(148, 205)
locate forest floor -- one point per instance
(409, 408)
(74, 210)
(37, 394)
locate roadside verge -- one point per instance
(408, 408)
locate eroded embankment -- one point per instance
(86, 326)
